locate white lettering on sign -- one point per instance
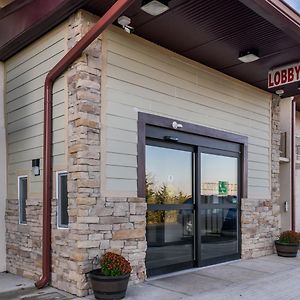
(284, 75)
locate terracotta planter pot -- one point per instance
(287, 249)
(108, 287)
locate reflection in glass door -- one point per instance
(219, 213)
(193, 201)
(170, 214)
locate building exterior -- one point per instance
(129, 111)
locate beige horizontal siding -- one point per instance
(144, 77)
(25, 76)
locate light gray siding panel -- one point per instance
(144, 77)
(121, 172)
(125, 160)
(186, 109)
(162, 59)
(36, 48)
(121, 123)
(121, 185)
(186, 90)
(44, 55)
(28, 87)
(121, 135)
(25, 77)
(35, 95)
(258, 174)
(121, 147)
(32, 73)
(27, 144)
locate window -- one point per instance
(22, 197)
(62, 200)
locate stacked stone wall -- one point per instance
(23, 242)
(96, 224)
(260, 218)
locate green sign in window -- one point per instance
(223, 187)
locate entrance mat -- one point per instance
(48, 296)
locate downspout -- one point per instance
(293, 162)
(108, 18)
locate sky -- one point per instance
(174, 168)
(294, 4)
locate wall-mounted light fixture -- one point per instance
(154, 7)
(279, 92)
(36, 167)
(248, 56)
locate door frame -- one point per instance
(145, 119)
(148, 123)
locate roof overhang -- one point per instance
(23, 21)
(210, 32)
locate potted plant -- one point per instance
(111, 279)
(288, 243)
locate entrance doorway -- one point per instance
(193, 200)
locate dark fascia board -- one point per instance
(27, 23)
(279, 14)
(12, 7)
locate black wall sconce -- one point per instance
(36, 167)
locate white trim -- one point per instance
(58, 204)
(19, 200)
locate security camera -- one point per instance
(128, 29)
(124, 22)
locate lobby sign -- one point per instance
(284, 75)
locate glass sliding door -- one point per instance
(219, 208)
(170, 208)
(193, 200)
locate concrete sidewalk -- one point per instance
(269, 277)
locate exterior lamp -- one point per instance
(248, 56)
(154, 7)
(279, 92)
(36, 167)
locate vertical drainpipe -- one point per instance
(108, 18)
(293, 162)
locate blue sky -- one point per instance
(174, 168)
(294, 3)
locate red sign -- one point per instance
(284, 75)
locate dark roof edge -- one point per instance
(279, 14)
(51, 13)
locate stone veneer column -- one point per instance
(275, 156)
(96, 223)
(260, 219)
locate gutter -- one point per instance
(293, 162)
(108, 18)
